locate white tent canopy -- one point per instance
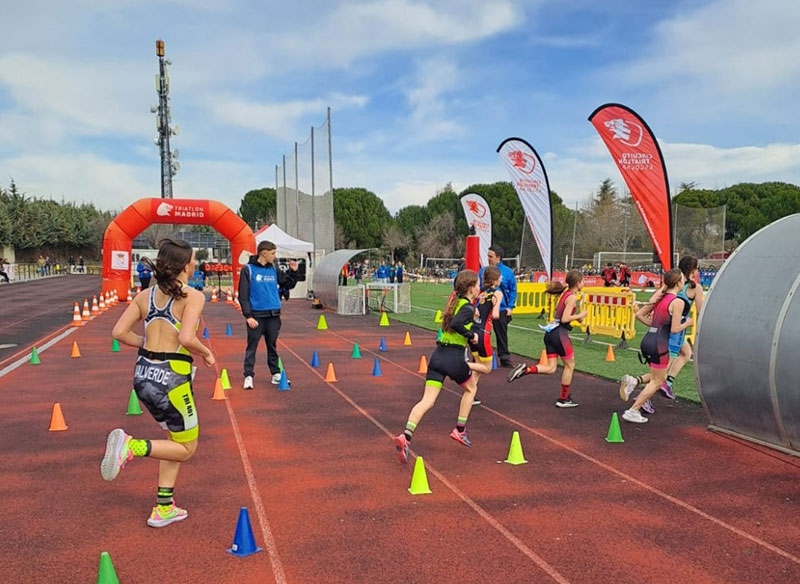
(287, 246)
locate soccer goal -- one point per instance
(633, 259)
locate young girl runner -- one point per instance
(664, 315)
(487, 310)
(556, 340)
(680, 350)
(448, 360)
(163, 374)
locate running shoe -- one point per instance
(160, 518)
(276, 380)
(567, 403)
(401, 445)
(248, 382)
(648, 407)
(666, 390)
(626, 386)
(633, 416)
(117, 455)
(476, 402)
(460, 437)
(517, 372)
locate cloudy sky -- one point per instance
(421, 91)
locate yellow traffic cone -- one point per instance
(322, 324)
(419, 480)
(438, 317)
(407, 340)
(515, 455)
(384, 319)
(226, 382)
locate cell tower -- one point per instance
(163, 119)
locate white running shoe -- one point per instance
(626, 386)
(276, 380)
(248, 382)
(634, 416)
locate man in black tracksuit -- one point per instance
(259, 284)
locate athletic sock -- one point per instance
(532, 369)
(670, 380)
(564, 391)
(461, 424)
(639, 380)
(140, 447)
(164, 498)
(409, 431)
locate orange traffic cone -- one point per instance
(95, 307)
(214, 296)
(57, 423)
(610, 354)
(76, 352)
(102, 303)
(330, 375)
(423, 365)
(86, 315)
(543, 358)
(130, 298)
(76, 316)
(219, 393)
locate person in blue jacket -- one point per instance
(145, 273)
(260, 282)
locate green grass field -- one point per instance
(525, 338)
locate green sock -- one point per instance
(139, 447)
(670, 380)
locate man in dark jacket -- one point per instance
(259, 284)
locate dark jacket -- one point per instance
(260, 296)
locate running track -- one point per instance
(327, 499)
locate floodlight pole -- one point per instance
(163, 119)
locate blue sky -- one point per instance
(422, 92)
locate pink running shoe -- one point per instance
(666, 389)
(460, 437)
(118, 454)
(401, 444)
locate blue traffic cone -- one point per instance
(244, 543)
(283, 384)
(229, 330)
(205, 333)
(376, 368)
(314, 359)
(494, 362)
(383, 345)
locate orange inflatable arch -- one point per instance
(119, 236)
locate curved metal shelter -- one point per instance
(747, 364)
(327, 273)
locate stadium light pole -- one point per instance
(163, 119)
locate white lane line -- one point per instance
(22, 360)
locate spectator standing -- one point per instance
(399, 273)
(508, 286)
(260, 281)
(609, 275)
(624, 275)
(145, 273)
(81, 265)
(3, 272)
(359, 273)
(40, 264)
(382, 273)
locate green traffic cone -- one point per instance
(280, 364)
(115, 346)
(515, 455)
(35, 357)
(614, 433)
(226, 381)
(134, 409)
(356, 352)
(419, 480)
(438, 316)
(106, 573)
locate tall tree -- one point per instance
(361, 217)
(259, 206)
